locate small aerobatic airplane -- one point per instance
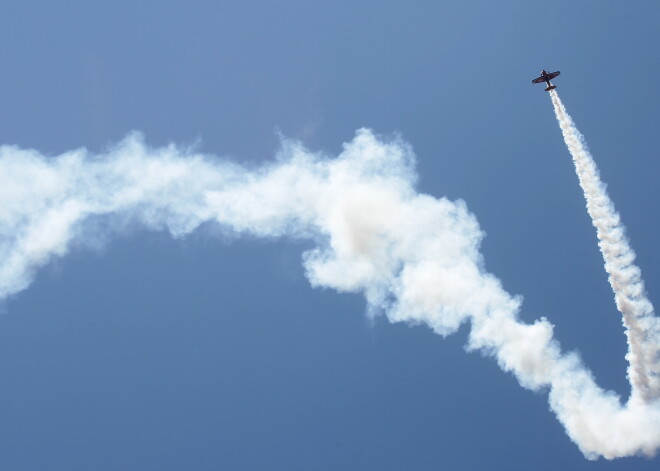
(546, 77)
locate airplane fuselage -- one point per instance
(546, 77)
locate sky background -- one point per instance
(203, 353)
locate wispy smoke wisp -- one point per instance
(414, 257)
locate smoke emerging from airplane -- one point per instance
(642, 327)
(415, 258)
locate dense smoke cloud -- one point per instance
(414, 257)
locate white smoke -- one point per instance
(414, 257)
(641, 326)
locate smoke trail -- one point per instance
(641, 326)
(414, 257)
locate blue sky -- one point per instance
(209, 352)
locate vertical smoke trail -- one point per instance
(642, 327)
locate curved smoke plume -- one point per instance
(414, 257)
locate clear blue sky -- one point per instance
(203, 353)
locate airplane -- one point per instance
(545, 77)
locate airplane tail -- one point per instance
(551, 87)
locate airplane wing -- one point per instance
(539, 79)
(553, 75)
